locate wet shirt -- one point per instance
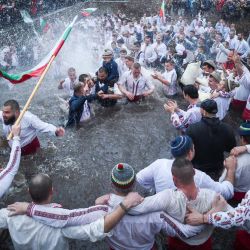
(31, 125)
(135, 86)
(171, 87)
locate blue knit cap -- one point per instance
(181, 145)
(244, 129)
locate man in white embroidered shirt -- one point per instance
(93, 224)
(30, 126)
(134, 85)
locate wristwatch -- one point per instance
(123, 207)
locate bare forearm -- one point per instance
(111, 220)
(230, 176)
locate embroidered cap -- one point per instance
(123, 176)
(181, 145)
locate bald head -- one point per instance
(40, 188)
(183, 171)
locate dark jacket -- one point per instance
(113, 74)
(103, 86)
(211, 139)
(76, 108)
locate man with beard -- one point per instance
(30, 126)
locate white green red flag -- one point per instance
(162, 10)
(38, 70)
(87, 12)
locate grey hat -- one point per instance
(216, 76)
(107, 53)
(210, 63)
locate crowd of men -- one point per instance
(189, 200)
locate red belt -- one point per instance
(177, 244)
(31, 148)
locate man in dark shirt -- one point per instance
(211, 139)
(106, 93)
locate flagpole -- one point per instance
(10, 136)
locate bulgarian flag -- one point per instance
(44, 26)
(162, 10)
(88, 11)
(38, 70)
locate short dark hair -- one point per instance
(246, 138)
(191, 91)
(183, 170)
(170, 62)
(137, 66)
(40, 187)
(13, 104)
(82, 77)
(102, 70)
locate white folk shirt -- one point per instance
(233, 43)
(122, 67)
(135, 86)
(242, 174)
(243, 91)
(68, 86)
(8, 174)
(145, 227)
(30, 126)
(174, 203)
(161, 49)
(158, 176)
(243, 48)
(182, 119)
(148, 53)
(171, 77)
(27, 233)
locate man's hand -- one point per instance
(193, 217)
(171, 106)
(16, 130)
(60, 132)
(18, 208)
(238, 150)
(103, 200)
(130, 96)
(214, 95)
(219, 204)
(230, 163)
(132, 199)
(146, 93)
